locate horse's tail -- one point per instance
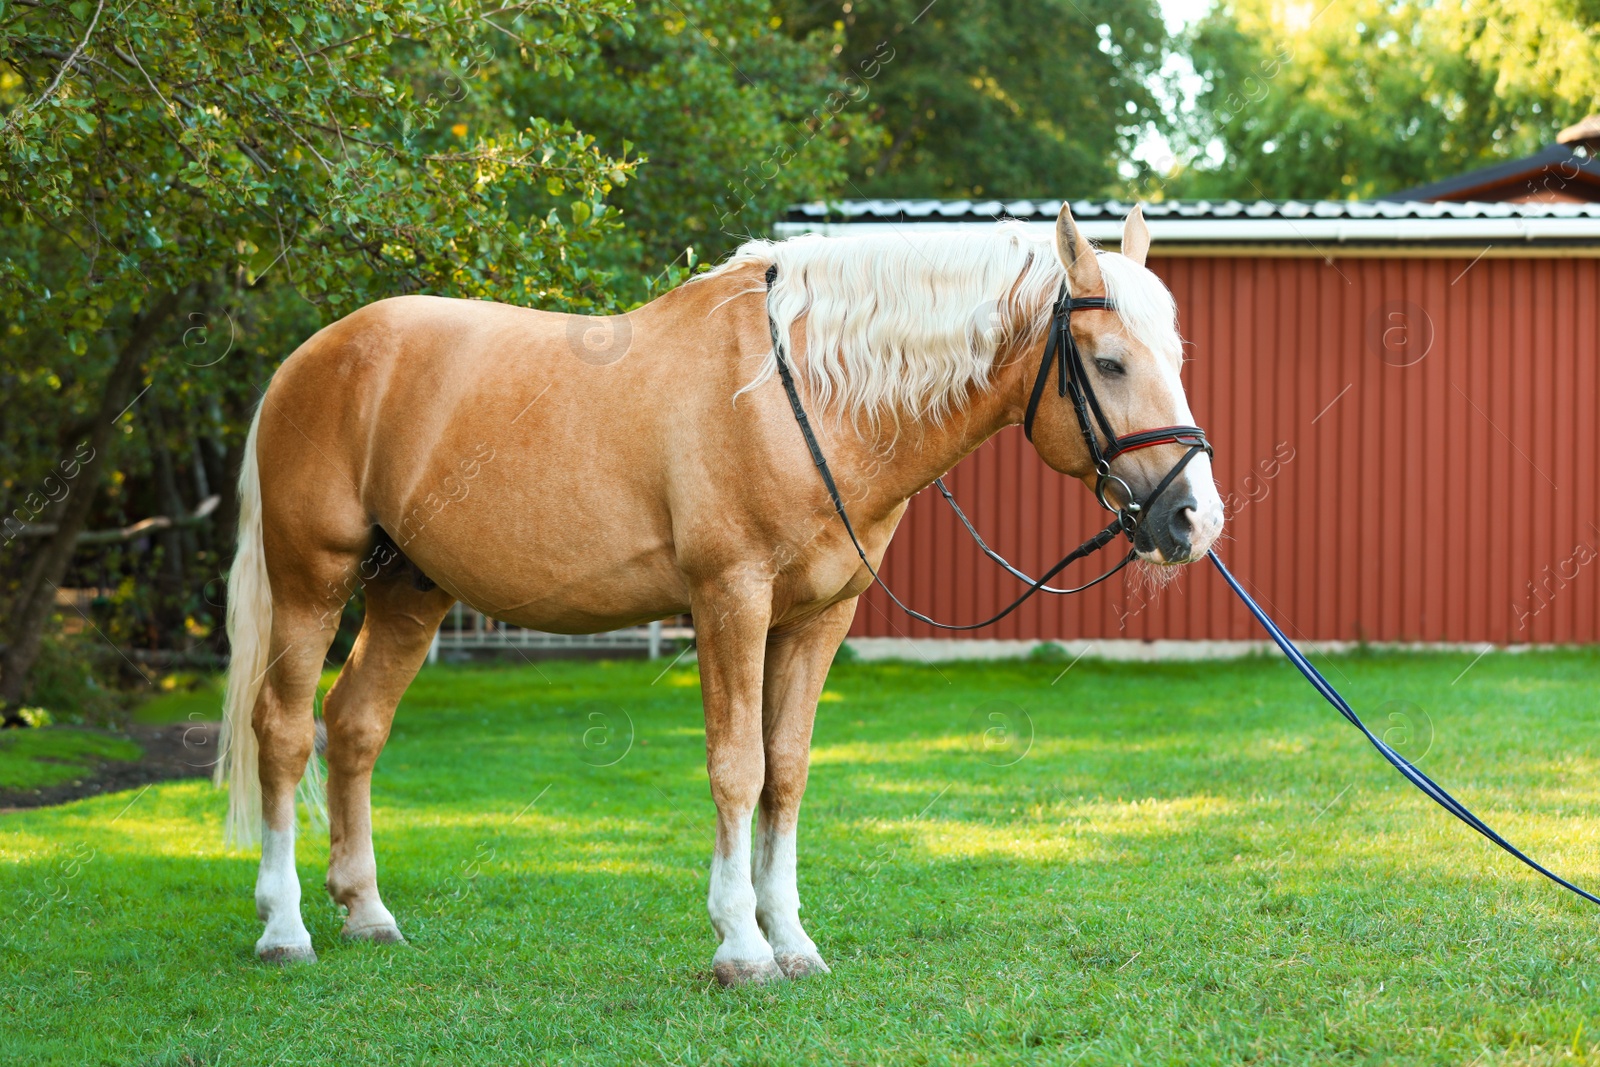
(249, 636)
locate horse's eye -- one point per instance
(1110, 366)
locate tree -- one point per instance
(993, 99)
(163, 159)
(1540, 50)
(1363, 98)
(734, 119)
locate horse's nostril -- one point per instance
(1181, 527)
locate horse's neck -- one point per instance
(892, 465)
(879, 469)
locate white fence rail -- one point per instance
(465, 630)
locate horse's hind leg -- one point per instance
(399, 626)
(304, 621)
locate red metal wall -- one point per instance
(1451, 499)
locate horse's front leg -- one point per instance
(731, 618)
(796, 669)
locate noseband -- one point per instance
(1072, 379)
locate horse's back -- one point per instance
(426, 334)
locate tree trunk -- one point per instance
(31, 610)
(173, 541)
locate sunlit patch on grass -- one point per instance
(1150, 816)
(875, 752)
(1282, 746)
(1054, 831)
(610, 865)
(954, 839)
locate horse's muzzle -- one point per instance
(1175, 531)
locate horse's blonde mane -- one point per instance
(909, 322)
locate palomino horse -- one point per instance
(578, 474)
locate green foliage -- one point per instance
(1194, 863)
(234, 176)
(34, 716)
(734, 119)
(1543, 51)
(1364, 98)
(1002, 98)
(230, 177)
(276, 137)
(79, 678)
(272, 155)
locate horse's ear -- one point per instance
(1135, 236)
(1076, 254)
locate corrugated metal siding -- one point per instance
(1425, 504)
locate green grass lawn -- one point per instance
(32, 759)
(1189, 864)
(186, 703)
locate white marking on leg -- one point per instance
(353, 883)
(778, 902)
(732, 903)
(278, 898)
(367, 917)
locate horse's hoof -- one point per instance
(747, 972)
(287, 954)
(801, 965)
(382, 933)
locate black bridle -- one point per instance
(1072, 379)
(1074, 382)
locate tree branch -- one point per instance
(62, 73)
(126, 533)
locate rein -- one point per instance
(1073, 381)
(1125, 522)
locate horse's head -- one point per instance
(1127, 370)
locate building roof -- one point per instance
(1334, 225)
(1565, 172)
(1561, 172)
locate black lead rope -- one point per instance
(1435, 792)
